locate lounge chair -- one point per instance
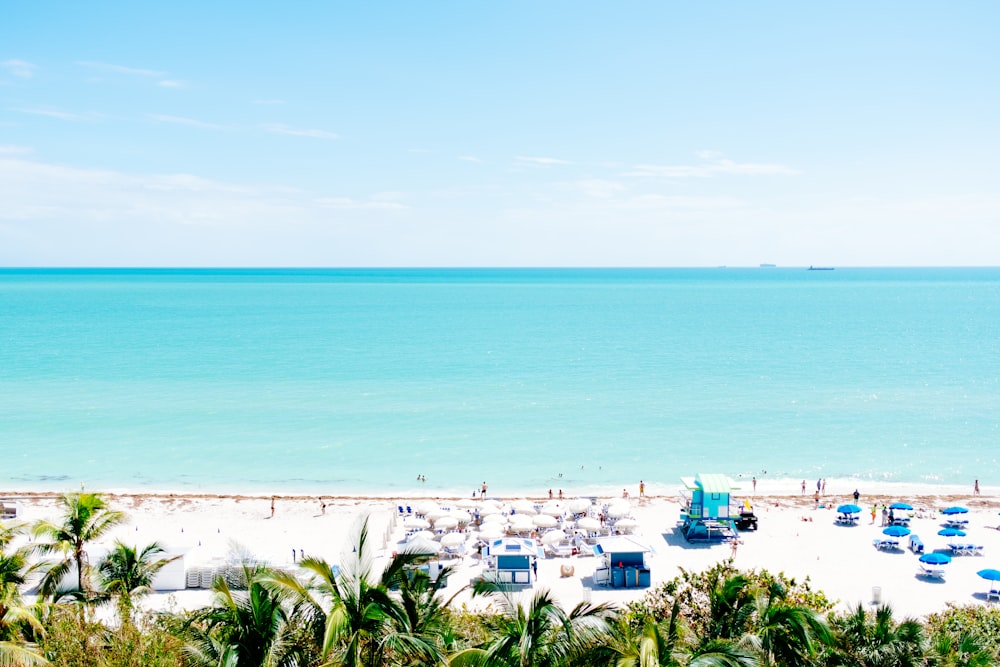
(993, 593)
(933, 572)
(916, 544)
(885, 545)
(8, 511)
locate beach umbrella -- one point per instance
(435, 514)
(499, 519)
(900, 506)
(491, 531)
(618, 510)
(553, 508)
(416, 522)
(524, 506)
(452, 539)
(544, 521)
(422, 547)
(489, 510)
(896, 531)
(627, 522)
(954, 510)
(421, 535)
(989, 574)
(446, 523)
(426, 506)
(461, 515)
(553, 537)
(951, 532)
(849, 509)
(934, 558)
(467, 503)
(521, 522)
(579, 505)
(588, 523)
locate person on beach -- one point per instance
(823, 490)
(560, 494)
(755, 485)
(975, 489)
(550, 494)
(873, 514)
(816, 498)
(819, 484)
(642, 488)
(484, 490)
(534, 567)
(885, 516)
(856, 496)
(322, 506)
(272, 507)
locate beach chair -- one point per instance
(916, 544)
(994, 592)
(932, 572)
(885, 545)
(401, 510)
(8, 511)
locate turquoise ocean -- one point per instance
(355, 381)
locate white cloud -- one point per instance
(121, 69)
(180, 120)
(53, 113)
(543, 161)
(169, 83)
(19, 68)
(279, 128)
(349, 203)
(15, 150)
(710, 169)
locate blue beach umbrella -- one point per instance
(951, 532)
(935, 558)
(896, 531)
(900, 506)
(849, 509)
(991, 574)
(954, 510)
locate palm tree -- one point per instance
(962, 651)
(126, 573)
(353, 617)
(870, 640)
(241, 629)
(785, 634)
(86, 517)
(17, 622)
(539, 635)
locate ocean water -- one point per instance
(356, 381)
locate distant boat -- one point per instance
(820, 268)
(768, 266)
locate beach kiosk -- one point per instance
(510, 560)
(706, 513)
(622, 562)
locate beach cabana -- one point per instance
(510, 560)
(706, 515)
(623, 562)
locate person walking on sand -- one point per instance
(272, 507)
(755, 485)
(484, 490)
(856, 496)
(823, 490)
(873, 514)
(803, 487)
(642, 488)
(975, 489)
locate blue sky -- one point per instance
(499, 134)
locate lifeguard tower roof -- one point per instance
(709, 483)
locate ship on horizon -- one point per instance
(819, 268)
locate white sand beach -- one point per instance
(794, 537)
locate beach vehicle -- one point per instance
(747, 520)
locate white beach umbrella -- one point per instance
(416, 522)
(544, 521)
(452, 539)
(425, 506)
(618, 510)
(588, 523)
(489, 510)
(579, 505)
(524, 506)
(492, 531)
(553, 508)
(462, 516)
(422, 547)
(499, 519)
(553, 537)
(627, 524)
(490, 504)
(467, 503)
(521, 522)
(436, 513)
(421, 535)
(446, 523)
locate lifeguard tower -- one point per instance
(510, 560)
(706, 514)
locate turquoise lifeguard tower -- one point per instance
(706, 513)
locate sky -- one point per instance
(514, 133)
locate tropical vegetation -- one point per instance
(360, 615)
